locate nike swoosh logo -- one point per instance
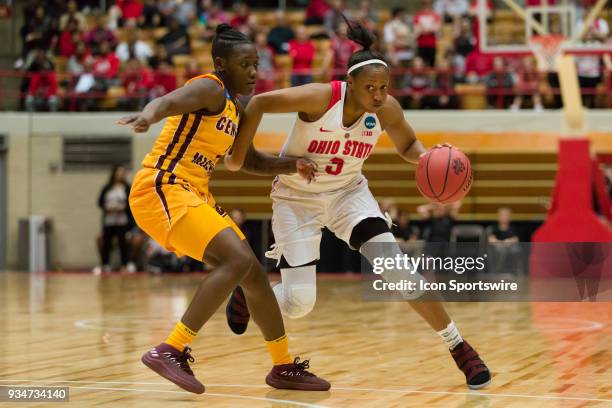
(324, 130)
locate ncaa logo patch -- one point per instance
(370, 122)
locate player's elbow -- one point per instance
(232, 163)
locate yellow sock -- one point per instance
(180, 336)
(279, 350)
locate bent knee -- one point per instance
(296, 300)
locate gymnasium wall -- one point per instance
(37, 184)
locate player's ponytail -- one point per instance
(360, 35)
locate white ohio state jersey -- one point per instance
(338, 151)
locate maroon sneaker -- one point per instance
(477, 374)
(236, 312)
(173, 365)
(295, 377)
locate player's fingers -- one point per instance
(126, 120)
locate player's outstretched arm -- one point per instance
(264, 164)
(201, 94)
(311, 99)
(403, 137)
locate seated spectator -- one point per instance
(164, 80)
(99, 75)
(477, 66)
(176, 40)
(333, 17)
(131, 11)
(367, 16)
(185, 13)
(418, 83)
(505, 243)
(151, 16)
(211, 15)
(42, 90)
(427, 24)
(100, 33)
(341, 50)
(133, 47)
(589, 72)
(389, 208)
(527, 84)
(439, 221)
(161, 55)
(444, 88)
(316, 11)
(280, 35)
(399, 42)
(500, 85)
(35, 34)
(302, 51)
(241, 15)
(106, 64)
(265, 73)
(72, 13)
(452, 10)
(76, 62)
(138, 82)
(69, 38)
(464, 43)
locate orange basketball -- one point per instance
(444, 175)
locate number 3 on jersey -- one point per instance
(335, 167)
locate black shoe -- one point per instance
(237, 312)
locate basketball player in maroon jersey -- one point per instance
(337, 128)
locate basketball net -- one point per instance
(547, 50)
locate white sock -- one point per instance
(451, 335)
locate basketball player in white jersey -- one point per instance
(337, 128)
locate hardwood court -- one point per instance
(89, 333)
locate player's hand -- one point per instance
(139, 123)
(438, 146)
(307, 169)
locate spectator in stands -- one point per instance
(164, 79)
(102, 74)
(100, 33)
(42, 90)
(405, 232)
(398, 39)
(106, 64)
(302, 51)
(133, 47)
(427, 24)
(500, 85)
(35, 34)
(452, 10)
(69, 38)
(137, 81)
(389, 208)
(418, 83)
(265, 73)
(185, 12)
(527, 84)
(151, 16)
(316, 11)
(505, 242)
(333, 17)
(444, 87)
(131, 11)
(589, 72)
(241, 15)
(280, 35)
(211, 15)
(76, 62)
(161, 55)
(116, 218)
(439, 220)
(464, 43)
(341, 50)
(176, 40)
(367, 16)
(72, 13)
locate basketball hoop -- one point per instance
(547, 50)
